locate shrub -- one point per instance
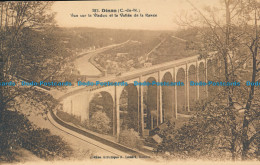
(100, 122)
(68, 117)
(130, 138)
(43, 144)
(16, 131)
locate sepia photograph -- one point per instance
(130, 81)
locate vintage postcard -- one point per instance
(125, 81)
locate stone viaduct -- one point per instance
(143, 107)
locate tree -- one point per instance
(233, 112)
(100, 122)
(28, 49)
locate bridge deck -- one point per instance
(124, 76)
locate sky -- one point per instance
(167, 12)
